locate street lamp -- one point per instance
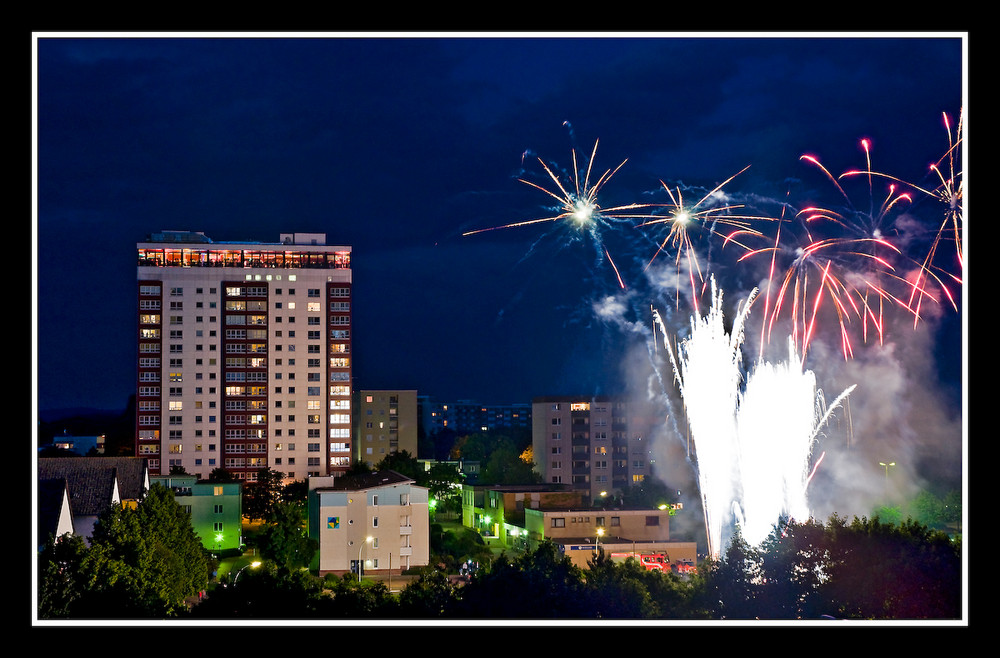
(360, 563)
(597, 544)
(887, 470)
(253, 565)
(887, 474)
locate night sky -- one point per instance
(398, 144)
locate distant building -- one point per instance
(378, 519)
(79, 445)
(499, 510)
(580, 532)
(470, 417)
(520, 517)
(595, 444)
(244, 355)
(91, 485)
(385, 424)
(215, 509)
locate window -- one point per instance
(558, 522)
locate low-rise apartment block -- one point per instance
(376, 523)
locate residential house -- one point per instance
(92, 484)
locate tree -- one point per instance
(60, 579)
(618, 590)
(443, 483)
(284, 540)
(650, 493)
(430, 595)
(403, 463)
(505, 466)
(733, 583)
(794, 562)
(543, 584)
(351, 599)
(141, 563)
(267, 592)
(261, 496)
(880, 570)
(220, 474)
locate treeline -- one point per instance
(864, 569)
(145, 564)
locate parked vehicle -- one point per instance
(656, 562)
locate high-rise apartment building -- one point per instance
(597, 444)
(244, 355)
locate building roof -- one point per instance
(51, 493)
(357, 482)
(91, 480)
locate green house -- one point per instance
(215, 509)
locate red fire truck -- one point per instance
(656, 562)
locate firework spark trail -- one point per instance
(752, 447)
(708, 374)
(777, 423)
(853, 270)
(949, 190)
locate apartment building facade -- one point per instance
(470, 416)
(215, 508)
(377, 523)
(243, 355)
(386, 423)
(596, 444)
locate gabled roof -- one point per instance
(92, 480)
(52, 493)
(368, 481)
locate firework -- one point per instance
(713, 214)
(577, 198)
(578, 204)
(948, 190)
(840, 258)
(752, 444)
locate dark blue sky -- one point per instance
(396, 146)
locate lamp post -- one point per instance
(253, 565)
(886, 466)
(361, 564)
(597, 544)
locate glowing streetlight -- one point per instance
(597, 544)
(252, 565)
(887, 474)
(361, 565)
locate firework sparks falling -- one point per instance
(752, 447)
(843, 259)
(949, 190)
